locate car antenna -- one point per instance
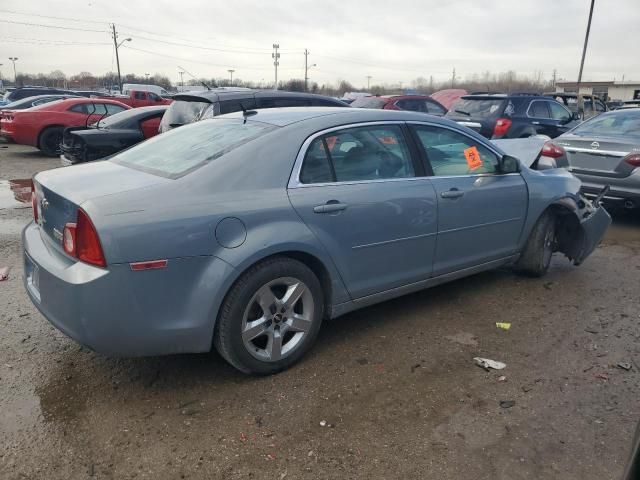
(246, 113)
(204, 84)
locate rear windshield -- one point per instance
(619, 124)
(186, 149)
(181, 112)
(369, 102)
(477, 107)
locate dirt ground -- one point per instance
(394, 385)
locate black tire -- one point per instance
(536, 256)
(49, 141)
(228, 339)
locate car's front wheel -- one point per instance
(536, 256)
(270, 317)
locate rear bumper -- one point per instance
(118, 312)
(621, 189)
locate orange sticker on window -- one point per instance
(473, 158)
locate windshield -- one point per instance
(620, 123)
(181, 112)
(477, 107)
(369, 102)
(184, 150)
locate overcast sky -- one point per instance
(391, 41)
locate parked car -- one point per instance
(138, 98)
(512, 116)
(605, 150)
(109, 136)
(244, 231)
(592, 105)
(93, 93)
(128, 87)
(448, 96)
(414, 103)
(42, 126)
(34, 101)
(189, 107)
(24, 92)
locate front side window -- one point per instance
(80, 108)
(152, 96)
(139, 96)
(538, 109)
(355, 154)
(558, 112)
(434, 109)
(451, 153)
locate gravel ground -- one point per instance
(388, 392)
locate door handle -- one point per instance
(453, 193)
(535, 123)
(331, 206)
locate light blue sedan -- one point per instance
(245, 231)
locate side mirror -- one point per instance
(509, 164)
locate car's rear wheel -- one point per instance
(536, 256)
(50, 140)
(270, 317)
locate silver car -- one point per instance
(245, 231)
(604, 150)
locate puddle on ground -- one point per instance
(15, 193)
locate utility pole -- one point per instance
(146, 77)
(15, 75)
(430, 83)
(368, 81)
(306, 69)
(181, 78)
(231, 70)
(555, 72)
(276, 61)
(584, 53)
(117, 45)
(453, 77)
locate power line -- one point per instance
(52, 26)
(49, 16)
(38, 41)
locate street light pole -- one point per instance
(276, 61)
(15, 75)
(368, 81)
(181, 78)
(147, 76)
(231, 70)
(117, 45)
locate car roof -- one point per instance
(285, 116)
(219, 94)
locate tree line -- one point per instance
(486, 82)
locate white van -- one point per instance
(145, 88)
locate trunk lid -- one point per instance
(60, 192)
(600, 156)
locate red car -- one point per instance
(415, 103)
(42, 126)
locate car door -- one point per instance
(362, 192)
(540, 118)
(481, 212)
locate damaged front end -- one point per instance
(580, 226)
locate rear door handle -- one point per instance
(330, 207)
(453, 193)
(535, 123)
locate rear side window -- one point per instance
(140, 96)
(354, 154)
(184, 150)
(477, 107)
(81, 108)
(276, 102)
(230, 106)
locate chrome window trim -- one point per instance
(613, 153)
(294, 179)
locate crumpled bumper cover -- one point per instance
(594, 222)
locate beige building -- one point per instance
(611, 90)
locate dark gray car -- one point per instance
(605, 150)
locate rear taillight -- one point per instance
(502, 127)
(550, 149)
(633, 159)
(34, 203)
(81, 240)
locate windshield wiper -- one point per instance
(463, 112)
